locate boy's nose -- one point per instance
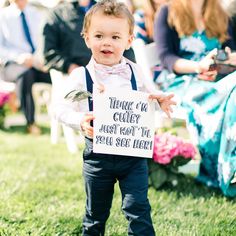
(107, 41)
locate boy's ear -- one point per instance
(130, 40)
(86, 39)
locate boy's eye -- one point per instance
(115, 37)
(99, 36)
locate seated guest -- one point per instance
(188, 36)
(19, 37)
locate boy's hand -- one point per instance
(165, 102)
(86, 126)
(100, 88)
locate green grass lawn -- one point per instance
(41, 193)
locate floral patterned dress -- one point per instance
(211, 109)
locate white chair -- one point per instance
(10, 88)
(58, 79)
(42, 96)
(146, 57)
(41, 93)
(7, 86)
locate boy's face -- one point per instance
(108, 37)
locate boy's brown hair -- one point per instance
(109, 8)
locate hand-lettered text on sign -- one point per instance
(124, 123)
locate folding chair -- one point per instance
(58, 79)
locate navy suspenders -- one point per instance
(89, 84)
(133, 80)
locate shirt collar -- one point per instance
(17, 11)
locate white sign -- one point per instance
(124, 123)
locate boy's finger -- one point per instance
(170, 109)
(89, 128)
(172, 103)
(167, 113)
(88, 117)
(170, 96)
(152, 96)
(89, 133)
(101, 88)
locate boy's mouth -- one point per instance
(107, 52)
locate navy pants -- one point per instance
(101, 172)
(24, 87)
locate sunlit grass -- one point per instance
(42, 193)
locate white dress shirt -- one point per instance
(12, 38)
(71, 113)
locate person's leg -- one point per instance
(135, 204)
(99, 185)
(42, 77)
(24, 87)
